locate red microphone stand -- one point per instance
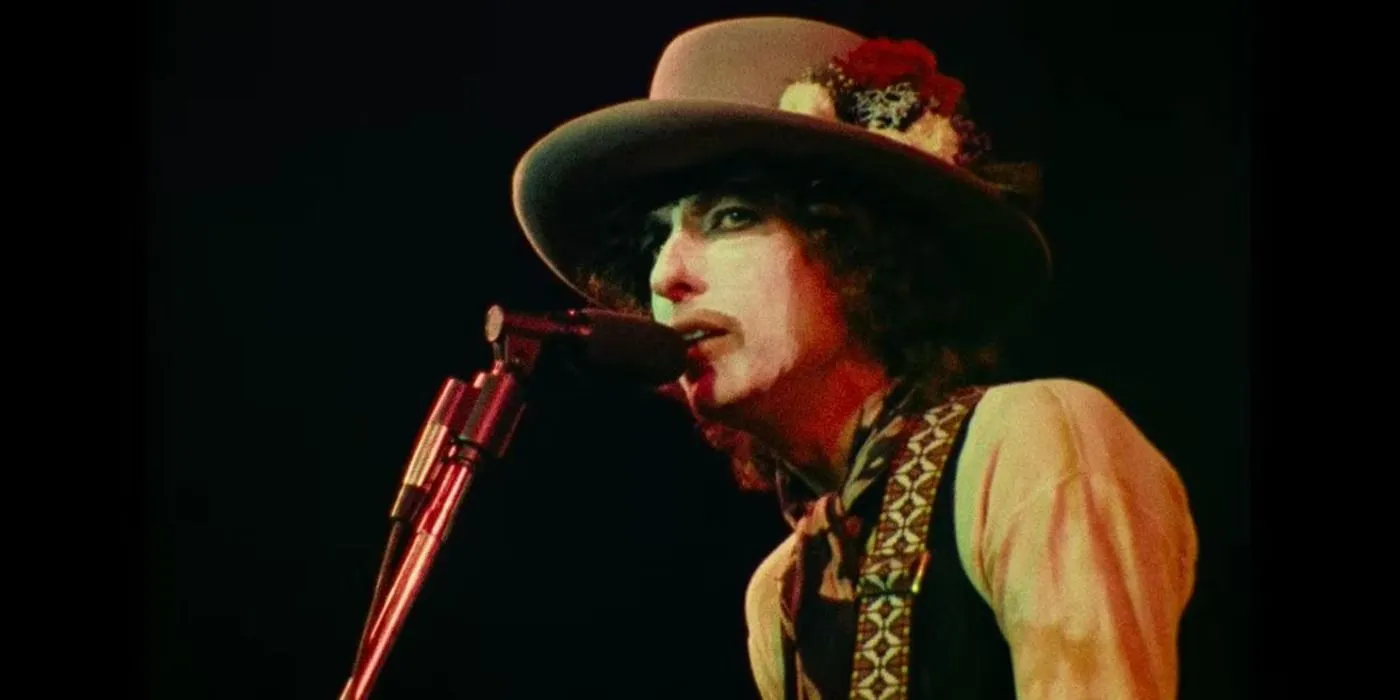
(484, 434)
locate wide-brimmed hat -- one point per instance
(790, 89)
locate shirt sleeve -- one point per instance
(1077, 533)
(765, 634)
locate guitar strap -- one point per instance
(897, 554)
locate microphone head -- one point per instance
(631, 348)
(599, 344)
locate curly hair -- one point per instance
(899, 291)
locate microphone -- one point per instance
(473, 423)
(599, 344)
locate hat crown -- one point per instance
(748, 61)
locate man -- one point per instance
(808, 208)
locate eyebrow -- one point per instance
(663, 215)
(660, 216)
(699, 204)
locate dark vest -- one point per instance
(957, 651)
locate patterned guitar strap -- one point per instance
(896, 553)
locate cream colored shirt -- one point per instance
(1074, 529)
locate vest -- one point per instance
(841, 593)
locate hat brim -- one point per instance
(572, 176)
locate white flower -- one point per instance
(886, 107)
(932, 133)
(810, 99)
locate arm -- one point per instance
(1080, 538)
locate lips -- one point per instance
(698, 326)
(707, 334)
(698, 335)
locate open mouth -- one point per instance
(695, 337)
(699, 327)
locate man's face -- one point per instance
(736, 275)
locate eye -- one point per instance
(731, 218)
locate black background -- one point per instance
(330, 217)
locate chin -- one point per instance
(701, 392)
(712, 398)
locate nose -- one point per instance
(677, 275)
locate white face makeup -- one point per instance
(734, 278)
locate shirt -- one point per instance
(1073, 529)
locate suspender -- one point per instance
(896, 554)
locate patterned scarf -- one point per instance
(818, 604)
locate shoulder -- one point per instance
(1046, 403)
(1034, 448)
(1059, 427)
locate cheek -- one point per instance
(814, 316)
(759, 286)
(823, 309)
(792, 316)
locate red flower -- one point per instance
(942, 94)
(880, 63)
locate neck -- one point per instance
(814, 427)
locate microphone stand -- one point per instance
(444, 422)
(486, 434)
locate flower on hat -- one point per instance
(932, 133)
(810, 99)
(892, 88)
(881, 63)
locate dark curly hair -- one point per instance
(898, 288)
